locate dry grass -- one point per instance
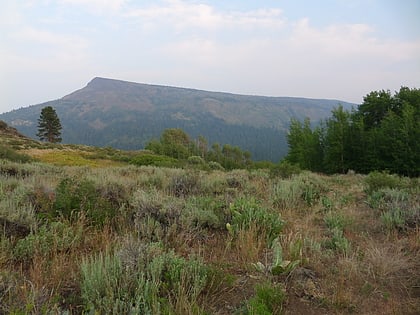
(377, 274)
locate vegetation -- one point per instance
(133, 114)
(175, 230)
(175, 145)
(154, 240)
(382, 134)
(49, 126)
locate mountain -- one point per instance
(126, 115)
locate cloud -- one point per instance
(184, 15)
(97, 6)
(336, 61)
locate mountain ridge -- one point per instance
(126, 115)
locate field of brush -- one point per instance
(96, 236)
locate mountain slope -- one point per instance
(127, 115)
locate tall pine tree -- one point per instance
(49, 126)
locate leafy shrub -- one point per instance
(335, 220)
(154, 160)
(216, 166)
(184, 184)
(306, 187)
(164, 210)
(75, 196)
(55, 237)
(204, 212)
(268, 300)
(247, 212)
(399, 207)
(338, 241)
(284, 170)
(141, 279)
(196, 160)
(11, 155)
(377, 180)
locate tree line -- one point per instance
(381, 134)
(176, 143)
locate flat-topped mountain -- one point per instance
(127, 115)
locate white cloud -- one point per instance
(183, 15)
(97, 6)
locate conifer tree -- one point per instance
(49, 126)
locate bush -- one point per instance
(55, 237)
(11, 155)
(184, 184)
(75, 196)
(377, 180)
(204, 212)
(268, 300)
(141, 279)
(215, 166)
(399, 208)
(284, 169)
(247, 212)
(154, 160)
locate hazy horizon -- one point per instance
(334, 50)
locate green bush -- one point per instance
(284, 170)
(247, 212)
(337, 241)
(75, 196)
(204, 212)
(268, 300)
(54, 237)
(11, 155)
(377, 180)
(215, 166)
(399, 207)
(184, 184)
(154, 160)
(141, 279)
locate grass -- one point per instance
(83, 232)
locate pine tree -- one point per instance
(49, 126)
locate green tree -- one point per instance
(374, 108)
(305, 145)
(49, 126)
(336, 141)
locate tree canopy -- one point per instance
(49, 126)
(175, 143)
(381, 134)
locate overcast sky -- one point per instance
(336, 49)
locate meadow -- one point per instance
(84, 232)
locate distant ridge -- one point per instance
(126, 115)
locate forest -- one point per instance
(381, 134)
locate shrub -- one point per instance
(75, 196)
(141, 279)
(377, 180)
(247, 212)
(338, 241)
(399, 208)
(154, 160)
(268, 300)
(184, 184)
(306, 187)
(196, 160)
(216, 166)
(284, 169)
(11, 155)
(55, 237)
(204, 212)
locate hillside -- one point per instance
(148, 240)
(127, 115)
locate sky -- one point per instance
(334, 49)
